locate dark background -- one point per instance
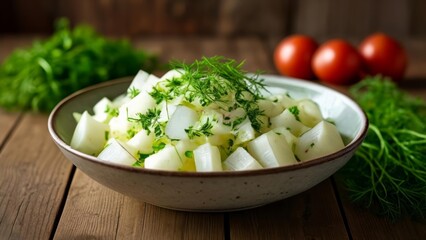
(322, 19)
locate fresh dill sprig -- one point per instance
(111, 111)
(212, 80)
(204, 129)
(149, 121)
(388, 171)
(132, 92)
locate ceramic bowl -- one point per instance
(214, 191)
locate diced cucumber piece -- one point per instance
(172, 158)
(239, 160)
(271, 150)
(116, 152)
(207, 158)
(309, 112)
(181, 119)
(321, 140)
(289, 121)
(89, 135)
(141, 142)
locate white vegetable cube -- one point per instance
(182, 118)
(230, 117)
(167, 111)
(271, 150)
(119, 126)
(207, 158)
(284, 100)
(220, 133)
(289, 137)
(102, 105)
(116, 152)
(150, 83)
(239, 160)
(141, 142)
(102, 110)
(166, 159)
(245, 132)
(139, 80)
(89, 135)
(309, 112)
(270, 108)
(321, 140)
(174, 73)
(139, 104)
(172, 158)
(288, 120)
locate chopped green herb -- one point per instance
(157, 146)
(131, 133)
(295, 111)
(204, 129)
(237, 122)
(189, 154)
(149, 121)
(133, 92)
(141, 160)
(111, 111)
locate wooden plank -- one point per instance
(33, 178)
(7, 122)
(94, 211)
(365, 225)
(168, 224)
(313, 214)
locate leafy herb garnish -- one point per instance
(388, 172)
(205, 129)
(295, 111)
(37, 78)
(211, 80)
(133, 92)
(111, 111)
(149, 121)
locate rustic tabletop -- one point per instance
(43, 196)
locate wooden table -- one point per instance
(43, 196)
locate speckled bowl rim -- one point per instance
(265, 171)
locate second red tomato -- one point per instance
(337, 62)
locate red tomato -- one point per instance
(383, 55)
(337, 62)
(293, 55)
